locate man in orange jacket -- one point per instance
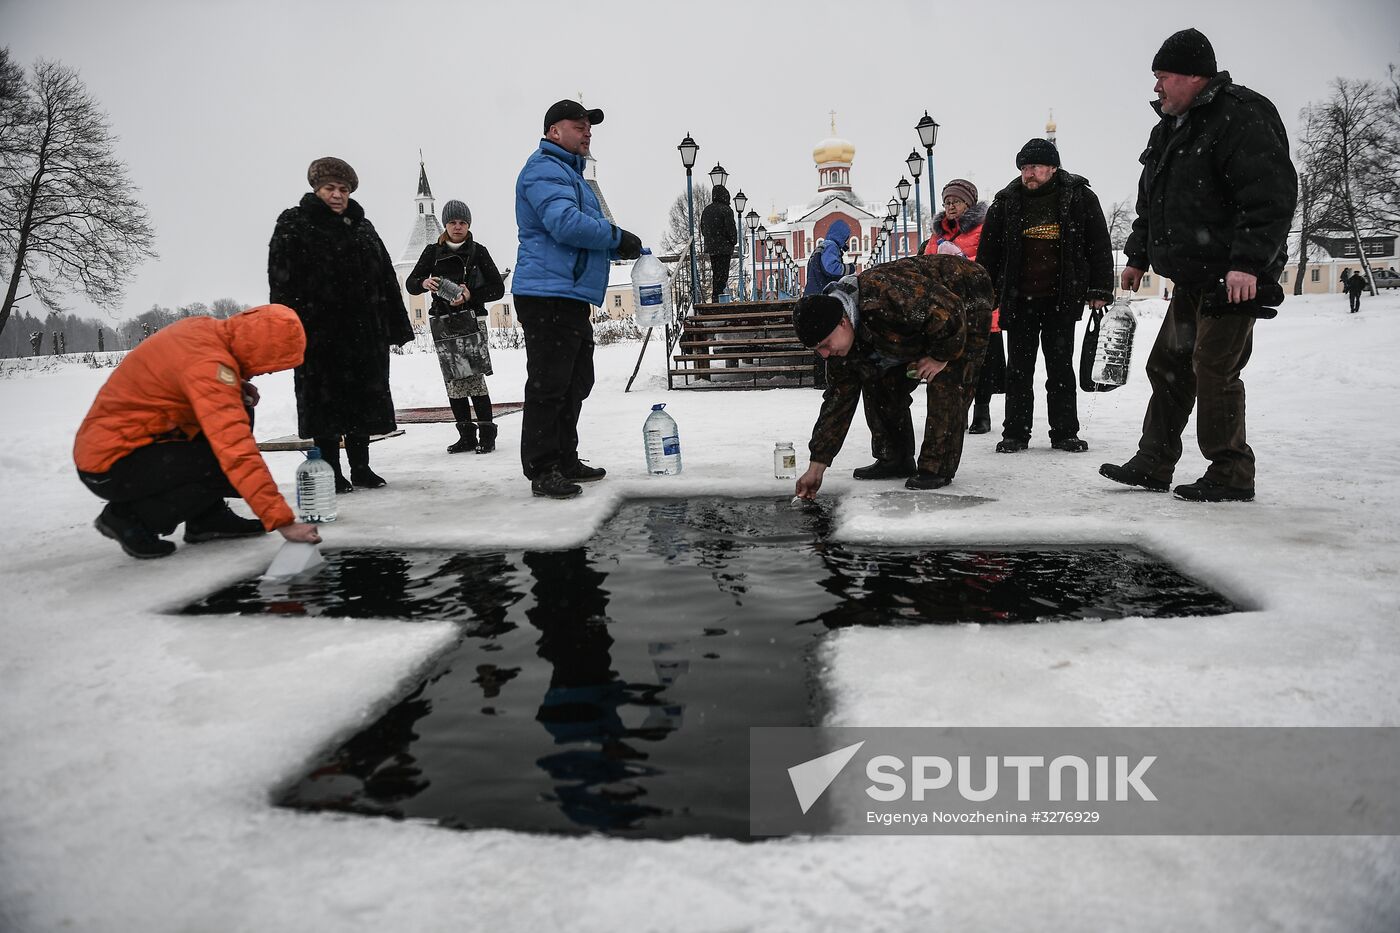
(170, 434)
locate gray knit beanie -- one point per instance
(456, 210)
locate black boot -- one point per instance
(487, 443)
(466, 440)
(330, 452)
(118, 523)
(220, 522)
(357, 452)
(981, 418)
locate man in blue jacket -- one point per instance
(561, 272)
(826, 264)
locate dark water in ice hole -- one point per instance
(611, 687)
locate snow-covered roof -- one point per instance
(426, 229)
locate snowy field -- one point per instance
(139, 748)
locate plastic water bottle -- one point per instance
(784, 461)
(663, 442)
(651, 291)
(315, 489)
(1114, 351)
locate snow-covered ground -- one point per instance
(137, 748)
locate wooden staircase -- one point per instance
(743, 345)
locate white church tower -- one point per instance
(426, 229)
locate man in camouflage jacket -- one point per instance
(924, 318)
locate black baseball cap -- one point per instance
(570, 110)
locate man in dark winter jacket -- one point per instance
(1354, 286)
(561, 271)
(924, 318)
(827, 264)
(1045, 244)
(720, 233)
(1214, 206)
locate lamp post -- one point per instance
(688, 148)
(751, 222)
(760, 234)
(769, 268)
(740, 202)
(891, 247)
(928, 135)
(903, 189)
(891, 212)
(916, 168)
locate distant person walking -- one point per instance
(327, 263)
(170, 435)
(1045, 244)
(1215, 202)
(561, 273)
(459, 326)
(828, 263)
(1355, 285)
(719, 231)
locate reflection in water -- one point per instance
(611, 688)
(599, 775)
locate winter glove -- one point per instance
(630, 247)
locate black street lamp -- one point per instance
(740, 202)
(928, 135)
(751, 222)
(688, 149)
(903, 189)
(718, 176)
(916, 168)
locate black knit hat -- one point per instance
(456, 210)
(815, 317)
(329, 168)
(1187, 52)
(1038, 152)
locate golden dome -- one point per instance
(834, 149)
(1050, 123)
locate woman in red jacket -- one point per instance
(958, 229)
(170, 434)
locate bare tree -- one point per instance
(676, 238)
(1119, 218)
(69, 217)
(1350, 152)
(226, 307)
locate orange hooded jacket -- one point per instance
(186, 380)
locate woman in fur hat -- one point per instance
(459, 324)
(959, 227)
(327, 263)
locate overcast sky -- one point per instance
(220, 106)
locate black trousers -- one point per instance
(1355, 298)
(1196, 362)
(558, 377)
(719, 274)
(1038, 326)
(164, 484)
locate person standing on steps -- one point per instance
(327, 263)
(719, 231)
(1215, 203)
(459, 326)
(1045, 244)
(828, 263)
(561, 272)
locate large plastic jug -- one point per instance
(651, 291)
